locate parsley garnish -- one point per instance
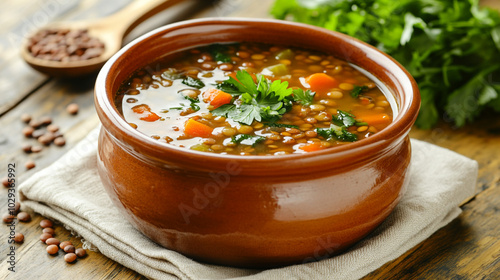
(344, 119)
(337, 132)
(218, 52)
(303, 97)
(192, 82)
(281, 125)
(261, 101)
(192, 104)
(357, 90)
(338, 128)
(247, 139)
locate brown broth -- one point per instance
(154, 100)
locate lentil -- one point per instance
(69, 249)
(70, 257)
(52, 249)
(59, 141)
(26, 118)
(48, 230)
(18, 237)
(26, 148)
(46, 223)
(28, 131)
(36, 149)
(52, 241)
(53, 128)
(73, 108)
(80, 252)
(7, 218)
(30, 164)
(23, 217)
(63, 244)
(45, 236)
(5, 182)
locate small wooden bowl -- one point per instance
(254, 211)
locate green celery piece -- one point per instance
(285, 54)
(276, 70)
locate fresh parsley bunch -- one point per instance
(452, 48)
(264, 100)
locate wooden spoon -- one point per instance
(110, 30)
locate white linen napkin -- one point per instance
(71, 192)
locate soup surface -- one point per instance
(253, 99)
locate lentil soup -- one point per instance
(253, 99)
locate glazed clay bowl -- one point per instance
(254, 211)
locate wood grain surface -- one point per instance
(467, 248)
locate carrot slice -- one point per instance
(375, 119)
(145, 113)
(321, 82)
(311, 147)
(217, 97)
(197, 129)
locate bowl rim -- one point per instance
(115, 124)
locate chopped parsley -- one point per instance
(193, 82)
(281, 125)
(247, 139)
(218, 52)
(338, 128)
(264, 100)
(357, 90)
(303, 97)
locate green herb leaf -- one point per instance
(264, 100)
(192, 82)
(247, 139)
(344, 119)
(357, 90)
(218, 52)
(337, 132)
(281, 125)
(303, 97)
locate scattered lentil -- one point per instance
(7, 218)
(70, 257)
(52, 241)
(24, 217)
(18, 237)
(69, 249)
(63, 244)
(36, 149)
(30, 164)
(46, 223)
(26, 118)
(59, 141)
(72, 108)
(52, 249)
(45, 236)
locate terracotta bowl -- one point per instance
(254, 211)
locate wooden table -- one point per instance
(467, 248)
